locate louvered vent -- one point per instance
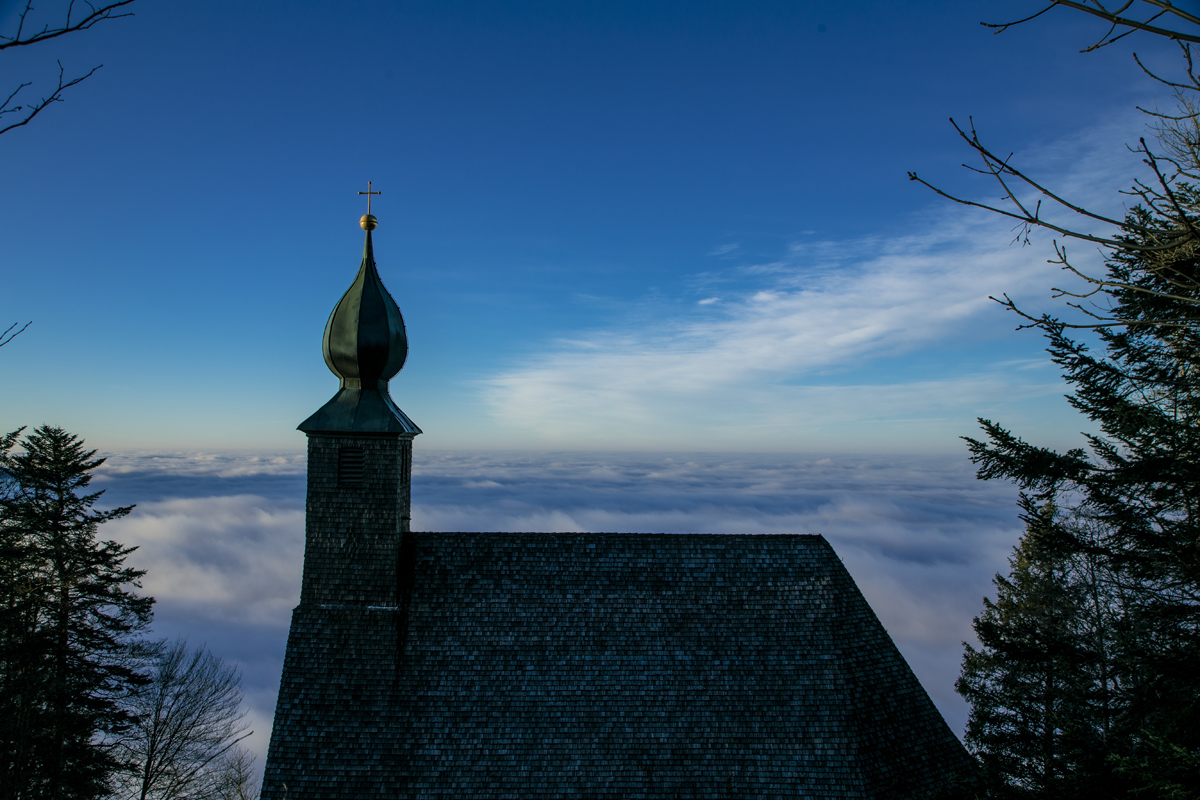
(351, 467)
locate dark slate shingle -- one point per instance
(582, 665)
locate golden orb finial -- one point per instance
(368, 222)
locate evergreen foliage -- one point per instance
(69, 618)
(1042, 686)
(1135, 485)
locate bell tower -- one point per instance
(346, 635)
(359, 451)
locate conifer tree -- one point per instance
(69, 617)
(1040, 685)
(1137, 481)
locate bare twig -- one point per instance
(1115, 18)
(999, 169)
(1103, 323)
(1103, 285)
(1164, 240)
(1108, 38)
(1167, 190)
(9, 334)
(186, 720)
(1165, 5)
(95, 14)
(1003, 26)
(92, 15)
(33, 110)
(1107, 287)
(1165, 82)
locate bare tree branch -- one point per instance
(1187, 55)
(186, 722)
(234, 778)
(71, 24)
(1001, 27)
(8, 335)
(1167, 6)
(24, 113)
(1105, 285)
(1168, 252)
(1000, 169)
(33, 110)
(1108, 38)
(1116, 19)
(1181, 215)
(95, 14)
(1102, 323)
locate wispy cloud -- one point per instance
(785, 331)
(760, 358)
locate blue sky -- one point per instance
(660, 263)
(608, 225)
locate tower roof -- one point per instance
(365, 345)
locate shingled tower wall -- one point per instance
(334, 729)
(356, 513)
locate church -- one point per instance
(568, 665)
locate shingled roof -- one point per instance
(588, 665)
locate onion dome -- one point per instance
(365, 346)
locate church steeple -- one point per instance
(365, 345)
(359, 452)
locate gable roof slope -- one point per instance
(583, 665)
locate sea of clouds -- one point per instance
(222, 536)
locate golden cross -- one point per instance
(368, 193)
